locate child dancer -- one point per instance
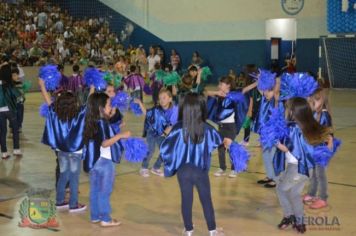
(226, 116)
(294, 161)
(64, 79)
(195, 140)
(116, 118)
(8, 98)
(268, 86)
(195, 75)
(135, 83)
(158, 123)
(65, 120)
(318, 180)
(101, 151)
(157, 82)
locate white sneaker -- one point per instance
(187, 233)
(233, 174)
(5, 156)
(243, 143)
(217, 232)
(219, 173)
(17, 152)
(144, 173)
(157, 172)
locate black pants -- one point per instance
(11, 116)
(226, 130)
(189, 176)
(19, 115)
(247, 134)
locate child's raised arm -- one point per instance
(44, 92)
(249, 87)
(210, 93)
(114, 139)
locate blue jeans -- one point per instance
(69, 165)
(152, 141)
(319, 182)
(102, 178)
(289, 189)
(268, 155)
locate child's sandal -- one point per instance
(110, 223)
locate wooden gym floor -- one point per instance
(151, 206)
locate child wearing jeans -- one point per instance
(318, 181)
(158, 123)
(101, 151)
(64, 124)
(293, 162)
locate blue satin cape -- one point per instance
(157, 119)
(91, 151)
(221, 108)
(116, 121)
(325, 118)
(300, 149)
(264, 112)
(66, 136)
(175, 152)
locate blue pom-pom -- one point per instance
(136, 150)
(44, 110)
(239, 157)
(336, 145)
(297, 85)
(135, 108)
(266, 80)
(121, 101)
(236, 96)
(322, 154)
(51, 76)
(274, 130)
(93, 76)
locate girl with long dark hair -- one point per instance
(63, 132)
(294, 161)
(187, 152)
(101, 151)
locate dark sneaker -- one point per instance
(78, 208)
(287, 221)
(63, 205)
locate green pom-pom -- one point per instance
(171, 79)
(108, 77)
(246, 123)
(26, 86)
(160, 74)
(205, 73)
(117, 80)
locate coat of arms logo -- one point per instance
(37, 210)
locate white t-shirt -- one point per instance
(152, 61)
(105, 152)
(291, 159)
(230, 119)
